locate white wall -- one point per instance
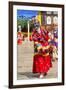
(4, 44)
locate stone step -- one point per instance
(25, 57)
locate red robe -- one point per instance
(42, 62)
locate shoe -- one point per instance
(45, 74)
(41, 76)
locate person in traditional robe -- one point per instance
(19, 36)
(42, 58)
(55, 50)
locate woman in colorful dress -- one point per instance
(42, 58)
(19, 36)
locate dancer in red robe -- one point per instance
(42, 58)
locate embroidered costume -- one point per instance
(42, 58)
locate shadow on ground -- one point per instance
(27, 75)
(30, 75)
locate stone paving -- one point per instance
(25, 62)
